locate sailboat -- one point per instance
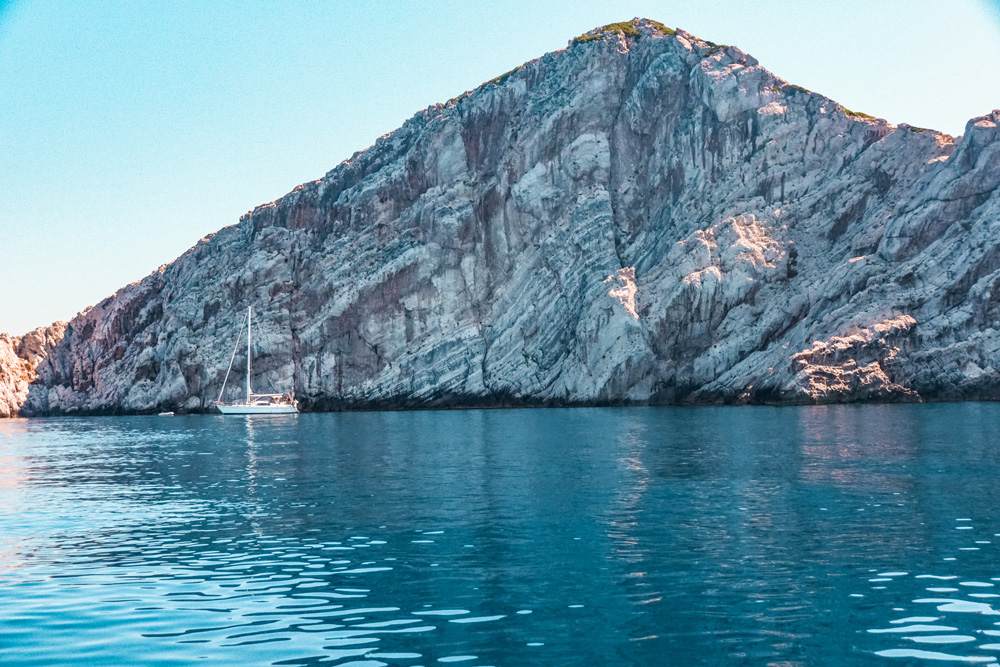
(255, 404)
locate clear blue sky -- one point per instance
(129, 130)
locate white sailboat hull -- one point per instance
(257, 409)
(255, 404)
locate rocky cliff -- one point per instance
(19, 357)
(641, 217)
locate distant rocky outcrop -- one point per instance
(19, 357)
(641, 217)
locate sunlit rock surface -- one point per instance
(19, 357)
(640, 217)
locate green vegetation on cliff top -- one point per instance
(856, 114)
(624, 28)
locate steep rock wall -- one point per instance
(642, 217)
(19, 357)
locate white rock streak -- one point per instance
(625, 292)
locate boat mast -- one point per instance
(249, 330)
(236, 348)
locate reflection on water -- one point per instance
(964, 627)
(795, 536)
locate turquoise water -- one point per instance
(640, 536)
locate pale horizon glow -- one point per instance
(131, 130)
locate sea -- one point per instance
(821, 535)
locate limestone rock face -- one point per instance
(642, 217)
(14, 377)
(19, 356)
